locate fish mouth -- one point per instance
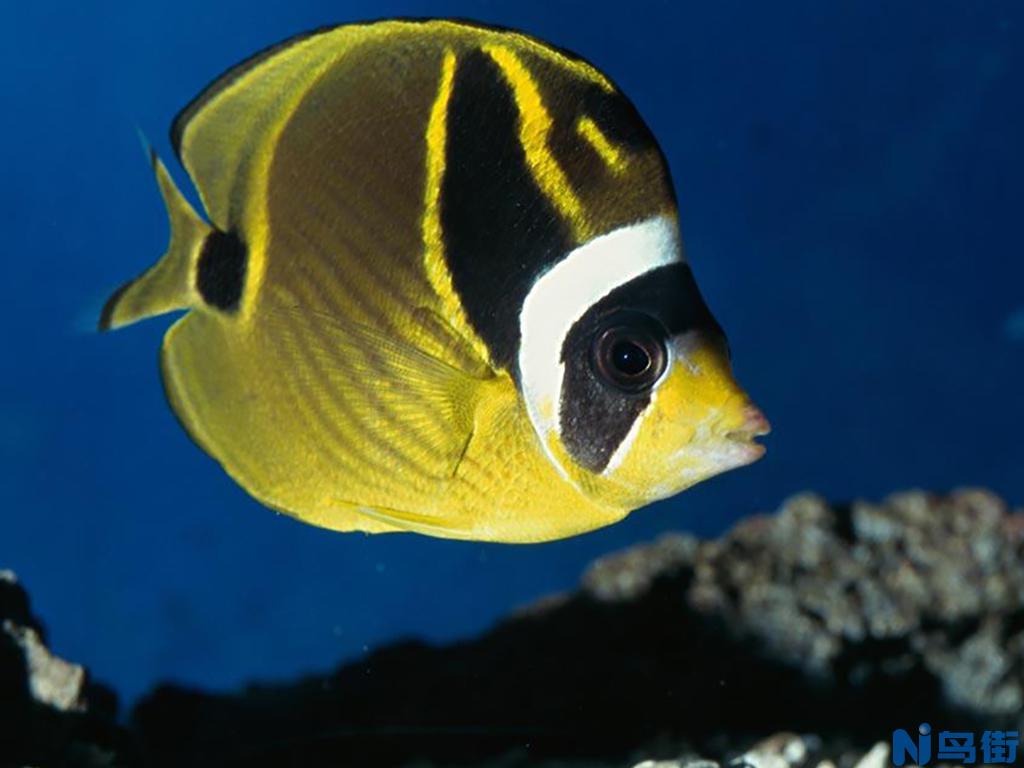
(754, 425)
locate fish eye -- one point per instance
(629, 353)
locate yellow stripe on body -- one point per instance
(474, 34)
(610, 154)
(256, 217)
(534, 128)
(433, 239)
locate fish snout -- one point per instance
(741, 438)
(755, 424)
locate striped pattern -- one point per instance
(399, 187)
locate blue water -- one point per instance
(850, 185)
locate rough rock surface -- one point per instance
(839, 621)
(920, 588)
(50, 713)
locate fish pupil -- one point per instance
(630, 358)
(629, 353)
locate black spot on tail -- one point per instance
(220, 274)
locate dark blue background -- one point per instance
(849, 178)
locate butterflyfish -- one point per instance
(439, 287)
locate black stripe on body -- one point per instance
(621, 123)
(500, 231)
(594, 416)
(641, 186)
(618, 119)
(220, 271)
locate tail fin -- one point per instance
(169, 284)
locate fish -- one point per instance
(438, 286)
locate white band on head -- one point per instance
(565, 292)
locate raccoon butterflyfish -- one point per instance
(439, 288)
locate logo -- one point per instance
(993, 747)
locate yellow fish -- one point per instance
(440, 288)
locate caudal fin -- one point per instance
(169, 284)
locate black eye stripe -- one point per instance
(594, 418)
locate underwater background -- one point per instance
(849, 181)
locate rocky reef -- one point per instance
(51, 714)
(797, 639)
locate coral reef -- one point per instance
(837, 622)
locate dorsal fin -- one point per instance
(219, 134)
